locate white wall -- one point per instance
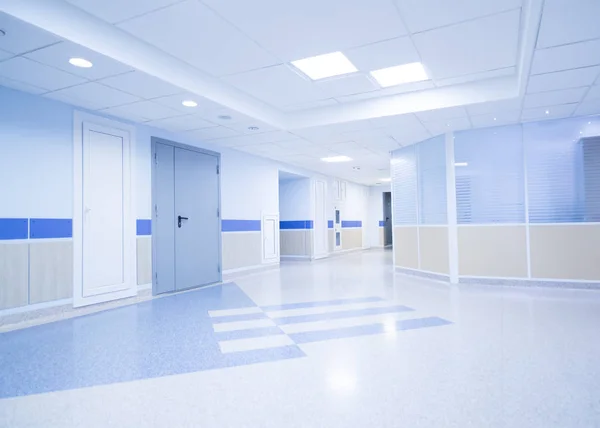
(295, 200)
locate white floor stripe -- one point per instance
(243, 325)
(334, 308)
(255, 343)
(346, 322)
(240, 311)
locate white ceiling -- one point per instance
(490, 63)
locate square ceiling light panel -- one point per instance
(327, 65)
(400, 74)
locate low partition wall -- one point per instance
(352, 234)
(296, 238)
(422, 248)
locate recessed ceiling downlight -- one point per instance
(81, 63)
(322, 66)
(189, 103)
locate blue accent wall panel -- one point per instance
(351, 223)
(330, 224)
(13, 228)
(240, 225)
(381, 223)
(143, 227)
(295, 224)
(45, 228)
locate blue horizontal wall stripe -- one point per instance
(143, 227)
(381, 223)
(351, 223)
(240, 225)
(13, 228)
(330, 224)
(45, 228)
(296, 224)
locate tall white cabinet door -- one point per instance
(107, 223)
(270, 238)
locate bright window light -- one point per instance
(189, 103)
(80, 62)
(385, 180)
(337, 159)
(399, 74)
(322, 66)
(461, 164)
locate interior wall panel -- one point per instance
(406, 250)
(433, 247)
(241, 249)
(51, 271)
(14, 276)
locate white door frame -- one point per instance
(276, 258)
(82, 121)
(324, 233)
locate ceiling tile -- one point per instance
(442, 114)
(384, 144)
(494, 107)
(265, 137)
(593, 94)
(22, 37)
(93, 96)
(564, 96)
(588, 107)
(484, 75)
(141, 84)
(247, 127)
(20, 86)
(205, 106)
(576, 55)
(392, 90)
(548, 112)
(142, 111)
(332, 133)
(470, 47)
(112, 11)
(496, 119)
(278, 86)
(181, 123)
(36, 74)
(567, 21)
(213, 133)
(311, 27)
(384, 54)
(563, 79)
(5, 55)
(421, 15)
(58, 56)
(193, 33)
(441, 127)
(346, 85)
(310, 105)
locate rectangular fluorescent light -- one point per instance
(461, 164)
(322, 66)
(385, 180)
(399, 74)
(337, 159)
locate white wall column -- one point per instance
(451, 209)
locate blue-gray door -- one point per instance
(186, 229)
(197, 252)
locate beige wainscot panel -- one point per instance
(433, 247)
(565, 251)
(144, 260)
(381, 237)
(241, 249)
(294, 242)
(330, 239)
(493, 251)
(13, 274)
(50, 270)
(406, 247)
(352, 238)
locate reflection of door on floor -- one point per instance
(337, 230)
(387, 218)
(186, 218)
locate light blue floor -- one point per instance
(165, 336)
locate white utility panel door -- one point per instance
(320, 227)
(270, 237)
(108, 225)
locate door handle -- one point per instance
(179, 218)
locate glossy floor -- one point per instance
(342, 342)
